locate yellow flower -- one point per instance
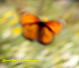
(44, 19)
(16, 31)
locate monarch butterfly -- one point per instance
(34, 29)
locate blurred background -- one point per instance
(63, 52)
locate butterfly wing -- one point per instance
(30, 26)
(46, 35)
(31, 31)
(28, 19)
(54, 26)
(49, 30)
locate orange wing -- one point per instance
(48, 31)
(30, 28)
(28, 19)
(54, 26)
(31, 31)
(46, 35)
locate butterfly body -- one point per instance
(34, 29)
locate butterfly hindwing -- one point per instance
(46, 35)
(30, 31)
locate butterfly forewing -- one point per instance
(54, 26)
(28, 19)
